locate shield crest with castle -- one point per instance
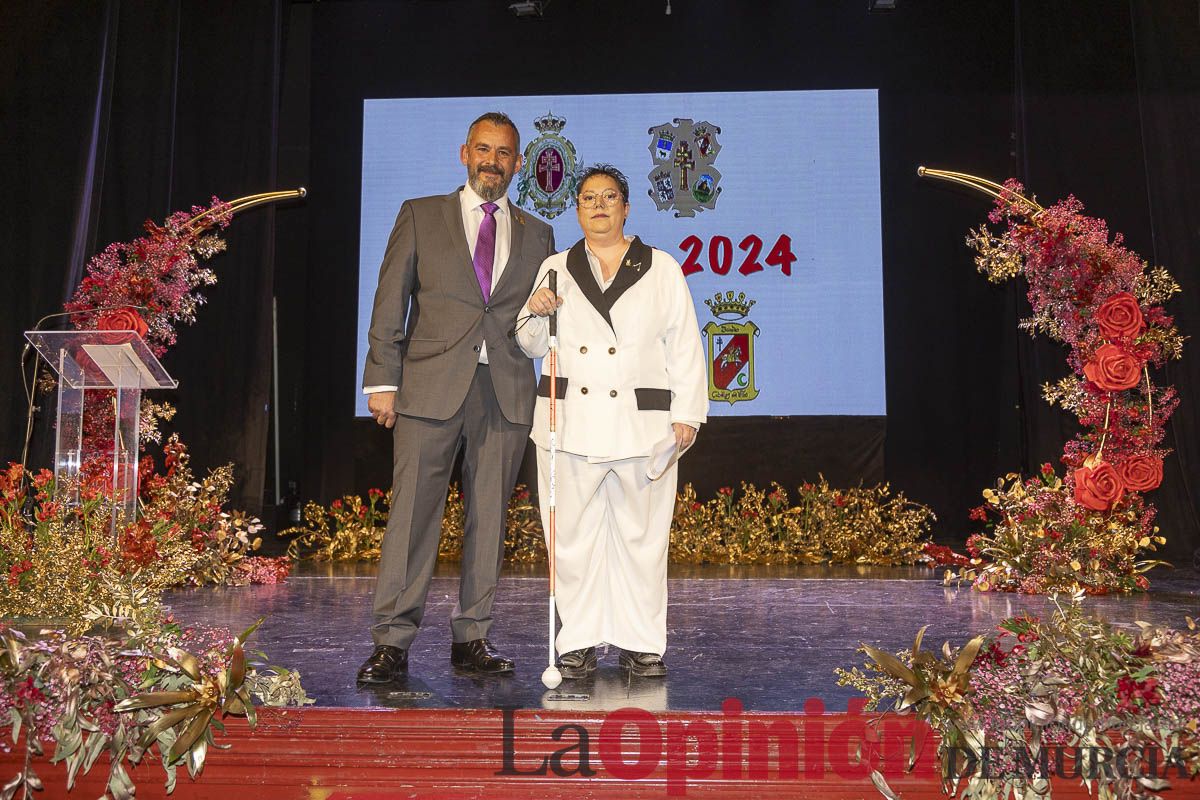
(730, 347)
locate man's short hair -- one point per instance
(610, 171)
(498, 118)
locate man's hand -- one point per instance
(381, 405)
(544, 302)
(684, 434)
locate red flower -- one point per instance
(725, 490)
(1136, 695)
(48, 511)
(139, 548)
(1098, 488)
(1141, 473)
(15, 572)
(42, 478)
(697, 506)
(1120, 317)
(30, 693)
(1112, 369)
(336, 505)
(119, 321)
(375, 494)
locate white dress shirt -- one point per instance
(472, 216)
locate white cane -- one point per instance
(551, 678)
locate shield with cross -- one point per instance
(683, 153)
(547, 180)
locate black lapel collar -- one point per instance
(581, 273)
(635, 264)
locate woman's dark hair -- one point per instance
(607, 170)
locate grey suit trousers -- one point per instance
(424, 453)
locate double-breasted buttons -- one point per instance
(612, 393)
(583, 349)
(612, 351)
(475, 348)
(583, 390)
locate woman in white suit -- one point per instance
(631, 376)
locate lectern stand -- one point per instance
(117, 361)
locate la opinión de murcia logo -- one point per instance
(633, 744)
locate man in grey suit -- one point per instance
(444, 374)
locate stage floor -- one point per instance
(770, 637)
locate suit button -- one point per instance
(583, 349)
(487, 309)
(475, 348)
(612, 351)
(583, 390)
(613, 393)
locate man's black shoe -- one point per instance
(643, 665)
(577, 663)
(478, 655)
(385, 665)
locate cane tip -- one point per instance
(551, 677)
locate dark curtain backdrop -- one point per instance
(115, 112)
(1166, 48)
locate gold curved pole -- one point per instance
(1104, 435)
(1149, 397)
(251, 200)
(978, 184)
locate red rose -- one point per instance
(1141, 473)
(1112, 369)
(1098, 488)
(121, 321)
(1120, 317)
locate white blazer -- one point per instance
(630, 360)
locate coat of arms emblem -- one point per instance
(547, 180)
(684, 176)
(730, 345)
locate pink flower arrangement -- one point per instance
(1091, 293)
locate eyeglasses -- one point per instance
(593, 200)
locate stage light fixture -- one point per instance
(881, 5)
(528, 8)
(668, 11)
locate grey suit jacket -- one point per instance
(429, 317)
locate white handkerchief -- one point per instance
(663, 455)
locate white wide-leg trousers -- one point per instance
(611, 551)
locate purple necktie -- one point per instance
(485, 250)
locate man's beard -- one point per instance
(489, 191)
